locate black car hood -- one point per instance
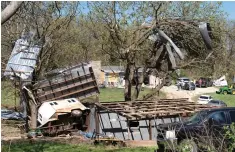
(176, 125)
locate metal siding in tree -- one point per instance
(23, 59)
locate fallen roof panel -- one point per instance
(23, 59)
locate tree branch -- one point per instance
(10, 10)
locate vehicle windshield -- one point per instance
(196, 118)
(214, 101)
(191, 83)
(204, 97)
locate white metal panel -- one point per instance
(23, 59)
(48, 109)
(45, 112)
(67, 104)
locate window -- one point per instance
(69, 101)
(73, 100)
(192, 84)
(197, 117)
(218, 117)
(214, 101)
(51, 104)
(55, 103)
(232, 115)
(203, 97)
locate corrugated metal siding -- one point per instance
(23, 59)
(112, 124)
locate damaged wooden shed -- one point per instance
(138, 120)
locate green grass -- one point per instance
(116, 94)
(228, 99)
(106, 94)
(8, 96)
(45, 146)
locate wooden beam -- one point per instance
(150, 129)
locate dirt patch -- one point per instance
(140, 143)
(10, 129)
(172, 93)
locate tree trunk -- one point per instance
(156, 91)
(33, 120)
(10, 10)
(128, 78)
(139, 82)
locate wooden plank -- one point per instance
(53, 91)
(39, 86)
(150, 109)
(65, 95)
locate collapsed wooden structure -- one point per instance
(138, 110)
(137, 120)
(73, 82)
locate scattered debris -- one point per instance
(11, 115)
(137, 120)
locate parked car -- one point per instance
(205, 82)
(189, 86)
(183, 80)
(206, 123)
(216, 103)
(204, 99)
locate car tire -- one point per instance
(225, 92)
(188, 145)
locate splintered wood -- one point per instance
(137, 110)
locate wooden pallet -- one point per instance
(151, 109)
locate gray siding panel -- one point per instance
(119, 127)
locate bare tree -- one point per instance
(130, 24)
